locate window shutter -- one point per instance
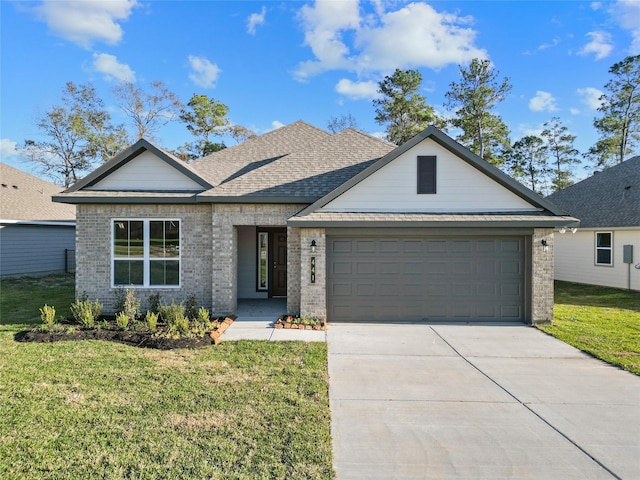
(427, 174)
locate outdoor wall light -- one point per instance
(545, 245)
(562, 229)
(313, 246)
(574, 230)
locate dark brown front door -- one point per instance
(278, 258)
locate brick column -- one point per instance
(313, 296)
(542, 276)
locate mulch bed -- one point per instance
(285, 321)
(133, 338)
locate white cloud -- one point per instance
(600, 45)
(276, 124)
(590, 97)
(574, 111)
(357, 90)
(417, 36)
(256, 19)
(204, 73)
(323, 25)
(112, 69)
(413, 36)
(595, 6)
(627, 13)
(84, 23)
(8, 148)
(543, 102)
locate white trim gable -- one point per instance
(460, 187)
(145, 172)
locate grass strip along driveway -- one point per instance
(90, 409)
(604, 322)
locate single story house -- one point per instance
(605, 249)
(347, 226)
(37, 236)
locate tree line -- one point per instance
(541, 162)
(79, 132)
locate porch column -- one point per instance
(313, 289)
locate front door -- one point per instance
(278, 260)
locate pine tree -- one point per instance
(401, 108)
(619, 126)
(474, 98)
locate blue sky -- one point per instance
(275, 62)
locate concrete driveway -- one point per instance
(477, 402)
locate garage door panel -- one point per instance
(413, 279)
(365, 246)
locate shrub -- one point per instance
(48, 315)
(191, 306)
(122, 320)
(155, 303)
(128, 303)
(151, 319)
(203, 315)
(169, 313)
(86, 312)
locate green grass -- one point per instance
(604, 322)
(75, 410)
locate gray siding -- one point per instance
(34, 249)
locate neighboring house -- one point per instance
(346, 226)
(35, 232)
(608, 206)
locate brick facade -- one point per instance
(94, 242)
(313, 296)
(209, 257)
(224, 219)
(542, 276)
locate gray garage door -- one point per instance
(433, 279)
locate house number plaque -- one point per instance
(313, 269)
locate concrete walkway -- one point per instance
(255, 322)
(477, 402)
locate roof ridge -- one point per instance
(368, 135)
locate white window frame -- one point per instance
(598, 248)
(259, 287)
(146, 258)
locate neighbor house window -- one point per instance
(146, 253)
(604, 248)
(263, 270)
(426, 175)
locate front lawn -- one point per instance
(604, 322)
(93, 409)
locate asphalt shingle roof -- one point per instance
(308, 172)
(25, 197)
(232, 162)
(607, 199)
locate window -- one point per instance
(146, 253)
(263, 270)
(426, 175)
(604, 248)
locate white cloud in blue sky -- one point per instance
(256, 19)
(109, 66)
(8, 148)
(543, 102)
(83, 22)
(203, 72)
(590, 97)
(600, 45)
(627, 13)
(415, 35)
(357, 90)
